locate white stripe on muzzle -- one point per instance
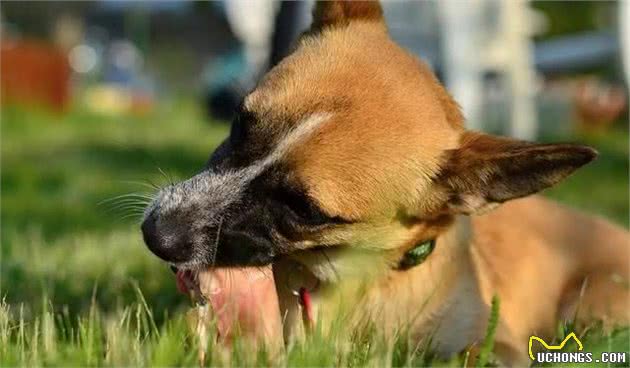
(219, 190)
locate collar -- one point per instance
(416, 255)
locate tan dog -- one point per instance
(349, 170)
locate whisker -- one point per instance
(120, 206)
(142, 183)
(131, 215)
(142, 201)
(123, 210)
(169, 179)
(132, 194)
(216, 242)
(129, 199)
(332, 266)
(129, 207)
(157, 187)
(128, 195)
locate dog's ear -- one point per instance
(341, 13)
(486, 170)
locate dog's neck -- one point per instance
(463, 309)
(439, 295)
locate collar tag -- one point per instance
(416, 255)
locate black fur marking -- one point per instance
(285, 193)
(274, 212)
(250, 140)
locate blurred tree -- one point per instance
(37, 18)
(576, 16)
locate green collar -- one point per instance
(416, 255)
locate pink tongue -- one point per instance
(181, 278)
(243, 299)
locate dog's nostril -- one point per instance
(170, 251)
(149, 232)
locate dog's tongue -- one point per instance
(184, 281)
(243, 298)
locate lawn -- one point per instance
(80, 288)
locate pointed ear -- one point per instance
(486, 170)
(341, 13)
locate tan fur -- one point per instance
(393, 157)
(366, 86)
(340, 13)
(533, 259)
(531, 253)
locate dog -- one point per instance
(349, 179)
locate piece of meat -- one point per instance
(243, 301)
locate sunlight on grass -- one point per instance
(129, 337)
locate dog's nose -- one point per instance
(149, 232)
(169, 251)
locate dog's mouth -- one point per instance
(245, 301)
(187, 282)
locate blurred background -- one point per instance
(101, 99)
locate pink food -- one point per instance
(243, 301)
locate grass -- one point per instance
(488, 341)
(79, 287)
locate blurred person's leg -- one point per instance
(624, 25)
(252, 22)
(230, 76)
(292, 19)
(461, 44)
(266, 38)
(519, 67)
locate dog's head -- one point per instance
(349, 146)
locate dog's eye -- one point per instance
(300, 205)
(288, 200)
(305, 208)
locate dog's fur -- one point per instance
(347, 155)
